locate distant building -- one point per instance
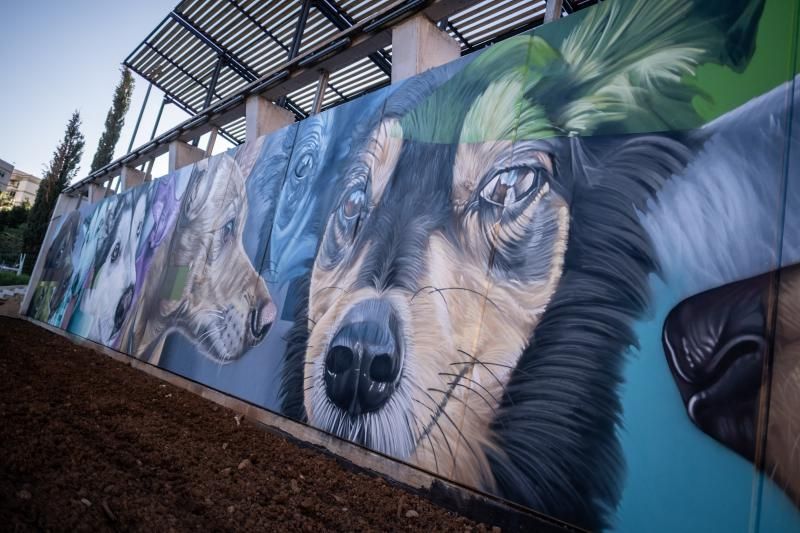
(6, 169)
(23, 187)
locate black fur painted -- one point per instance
(557, 424)
(296, 341)
(404, 98)
(556, 428)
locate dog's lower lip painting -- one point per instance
(122, 308)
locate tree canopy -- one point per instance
(115, 119)
(62, 168)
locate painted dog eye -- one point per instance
(227, 230)
(115, 252)
(352, 205)
(304, 166)
(511, 185)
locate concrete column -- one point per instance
(64, 205)
(97, 191)
(263, 117)
(418, 45)
(131, 177)
(182, 154)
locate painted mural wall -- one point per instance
(563, 271)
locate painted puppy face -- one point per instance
(211, 291)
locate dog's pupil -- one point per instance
(303, 166)
(500, 191)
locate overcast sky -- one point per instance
(60, 55)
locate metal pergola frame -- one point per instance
(206, 56)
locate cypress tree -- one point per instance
(115, 119)
(63, 167)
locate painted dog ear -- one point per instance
(196, 193)
(638, 164)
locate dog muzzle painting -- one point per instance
(562, 270)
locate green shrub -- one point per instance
(10, 278)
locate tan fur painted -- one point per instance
(783, 437)
(463, 313)
(222, 286)
(382, 155)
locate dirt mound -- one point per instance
(88, 443)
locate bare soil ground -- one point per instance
(88, 444)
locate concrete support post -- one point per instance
(418, 45)
(131, 177)
(64, 205)
(212, 139)
(97, 191)
(263, 117)
(182, 154)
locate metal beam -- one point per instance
(445, 25)
(164, 101)
(183, 105)
(361, 44)
(339, 18)
(299, 29)
(258, 25)
(213, 85)
(235, 64)
(174, 64)
(535, 23)
(139, 118)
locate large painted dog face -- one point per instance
(413, 262)
(211, 291)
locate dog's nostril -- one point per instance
(382, 368)
(261, 318)
(339, 359)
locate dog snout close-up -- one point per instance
(364, 361)
(261, 318)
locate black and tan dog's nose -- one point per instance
(364, 360)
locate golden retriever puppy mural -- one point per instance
(200, 281)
